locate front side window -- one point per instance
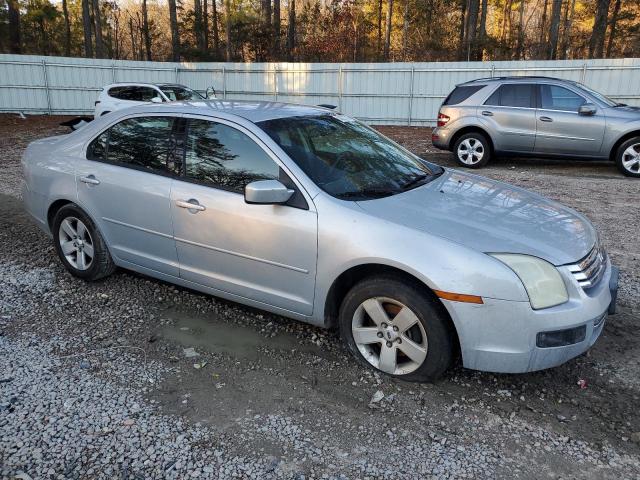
(121, 93)
(347, 159)
(554, 97)
(175, 93)
(512, 95)
(144, 143)
(224, 157)
(145, 94)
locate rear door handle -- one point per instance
(90, 179)
(191, 204)
(487, 113)
(546, 119)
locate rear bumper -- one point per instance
(503, 336)
(440, 138)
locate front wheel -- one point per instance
(472, 150)
(628, 157)
(394, 326)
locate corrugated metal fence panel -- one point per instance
(386, 93)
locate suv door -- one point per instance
(561, 129)
(124, 183)
(266, 253)
(509, 115)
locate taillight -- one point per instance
(442, 119)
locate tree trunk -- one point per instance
(86, 26)
(227, 29)
(205, 24)
(553, 30)
(596, 44)
(482, 35)
(67, 29)
(379, 42)
(132, 37)
(566, 31)
(98, 28)
(463, 28)
(291, 30)
(15, 42)
(145, 29)
(216, 35)
(197, 24)
(543, 30)
(276, 24)
(612, 32)
(405, 30)
(387, 37)
(520, 45)
(471, 27)
(266, 12)
(175, 34)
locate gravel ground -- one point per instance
(134, 378)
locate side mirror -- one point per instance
(156, 100)
(587, 109)
(210, 93)
(267, 192)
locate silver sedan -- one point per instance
(310, 214)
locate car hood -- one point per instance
(489, 216)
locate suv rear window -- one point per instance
(460, 94)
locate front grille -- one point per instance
(589, 270)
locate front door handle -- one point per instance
(546, 119)
(487, 113)
(191, 204)
(90, 179)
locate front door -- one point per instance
(560, 129)
(266, 253)
(124, 183)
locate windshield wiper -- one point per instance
(414, 182)
(371, 193)
(620, 105)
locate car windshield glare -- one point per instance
(180, 93)
(346, 158)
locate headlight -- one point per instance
(541, 280)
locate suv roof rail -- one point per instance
(514, 77)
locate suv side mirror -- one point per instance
(267, 192)
(587, 109)
(210, 93)
(156, 100)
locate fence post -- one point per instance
(413, 74)
(46, 85)
(177, 73)
(584, 73)
(113, 73)
(224, 83)
(275, 83)
(493, 70)
(340, 88)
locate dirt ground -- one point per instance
(279, 393)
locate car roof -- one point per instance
(253, 111)
(143, 84)
(520, 78)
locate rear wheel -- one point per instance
(628, 157)
(472, 150)
(79, 244)
(394, 326)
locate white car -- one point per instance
(123, 95)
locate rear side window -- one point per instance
(136, 94)
(512, 95)
(554, 97)
(223, 157)
(121, 93)
(460, 94)
(143, 143)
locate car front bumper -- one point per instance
(503, 336)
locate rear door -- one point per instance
(124, 183)
(561, 129)
(509, 115)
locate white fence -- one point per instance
(381, 93)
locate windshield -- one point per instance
(347, 159)
(603, 98)
(174, 93)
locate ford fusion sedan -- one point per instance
(310, 214)
(541, 116)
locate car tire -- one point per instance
(477, 148)
(628, 157)
(80, 245)
(422, 352)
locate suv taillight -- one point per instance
(442, 119)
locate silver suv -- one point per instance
(537, 116)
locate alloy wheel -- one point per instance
(470, 151)
(76, 243)
(631, 158)
(389, 335)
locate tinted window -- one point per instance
(512, 95)
(460, 94)
(145, 94)
(136, 94)
(174, 93)
(148, 143)
(560, 98)
(224, 157)
(122, 93)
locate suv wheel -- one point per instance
(628, 157)
(472, 150)
(392, 326)
(80, 245)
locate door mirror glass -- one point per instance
(210, 93)
(156, 100)
(587, 109)
(267, 192)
